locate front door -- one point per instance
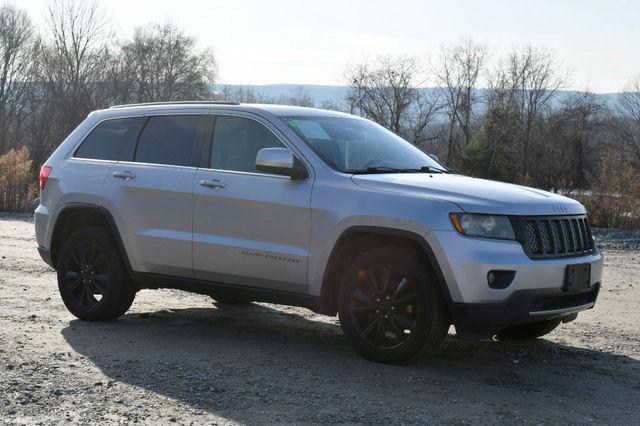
(249, 228)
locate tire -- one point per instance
(231, 301)
(92, 278)
(529, 330)
(390, 306)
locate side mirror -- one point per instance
(435, 157)
(280, 161)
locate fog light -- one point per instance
(500, 279)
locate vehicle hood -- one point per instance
(473, 195)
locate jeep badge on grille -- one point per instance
(557, 208)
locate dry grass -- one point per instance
(17, 186)
(615, 198)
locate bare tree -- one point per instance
(78, 54)
(16, 36)
(629, 123)
(247, 94)
(388, 92)
(492, 152)
(45, 122)
(571, 143)
(164, 64)
(299, 97)
(240, 94)
(457, 73)
(334, 105)
(527, 80)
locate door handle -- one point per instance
(214, 183)
(124, 175)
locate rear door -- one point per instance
(110, 141)
(152, 195)
(250, 228)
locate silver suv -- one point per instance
(309, 208)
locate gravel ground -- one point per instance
(177, 357)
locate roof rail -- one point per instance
(176, 103)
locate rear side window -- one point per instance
(111, 140)
(236, 142)
(170, 139)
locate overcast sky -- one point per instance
(311, 42)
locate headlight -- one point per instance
(483, 225)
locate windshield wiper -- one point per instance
(379, 169)
(385, 169)
(431, 169)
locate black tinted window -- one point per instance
(111, 140)
(171, 139)
(236, 142)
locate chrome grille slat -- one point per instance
(531, 237)
(568, 232)
(548, 237)
(583, 232)
(546, 241)
(576, 232)
(557, 240)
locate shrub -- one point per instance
(614, 201)
(17, 186)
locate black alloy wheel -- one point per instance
(85, 276)
(390, 306)
(92, 279)
(384, 307)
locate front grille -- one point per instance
(554, 236)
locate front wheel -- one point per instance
(390, 306)
(92, 279)
(530, 330)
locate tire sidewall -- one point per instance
(119, 288)
(430, 303)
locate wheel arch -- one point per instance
(74, 216)
(355, 240)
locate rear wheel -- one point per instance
(530, 330)
(92, 279)
(390, 307)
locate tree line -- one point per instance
(507, 118)
(51, 79)
(520, 126)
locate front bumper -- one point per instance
(46, 256)
(466, 261)
(536, 292)
(477, 320)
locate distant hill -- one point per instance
(319, 93)
(335, 94)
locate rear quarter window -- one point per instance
(111, 140)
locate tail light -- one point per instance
(45, 171)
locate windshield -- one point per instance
(360, 146)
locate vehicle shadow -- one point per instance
(257, 364)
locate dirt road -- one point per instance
(176, 357)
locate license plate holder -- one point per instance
(577, 277)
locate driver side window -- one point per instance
(236, 142)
